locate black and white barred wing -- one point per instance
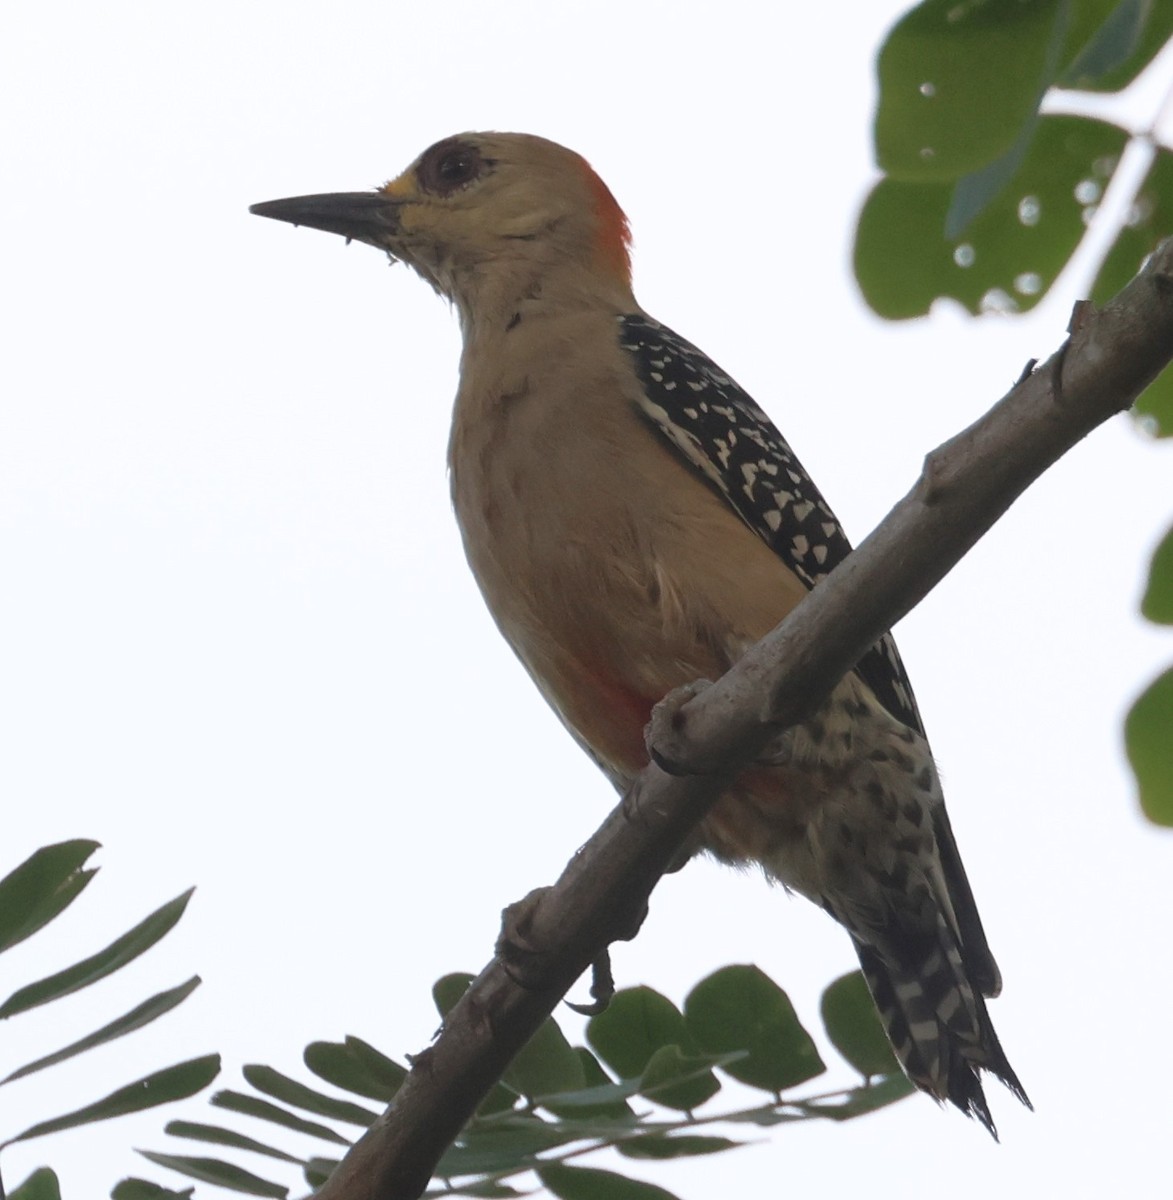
(736, 447)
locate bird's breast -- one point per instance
(612, 568)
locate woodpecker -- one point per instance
(635, 522)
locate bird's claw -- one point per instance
(602, 987)
(666, 734)
(520, 955)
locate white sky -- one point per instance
(239, 645)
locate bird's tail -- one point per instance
(938, 1024)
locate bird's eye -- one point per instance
(456, 167)
(449, 166)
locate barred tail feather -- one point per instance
(938, 1025)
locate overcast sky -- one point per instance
(239, 645)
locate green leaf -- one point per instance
(636, 1023)
(489, 1191)
(1149, 220)
(357, 1067)
(42, 1184)
(1011, 254)
(212, 1170)
(45, 884)
(509, 1148)
(742, 1008)
(1157, 604)
(973, 193)
(1148, 738)
(446, 993)
(448, 990)
(318, 1170)
(678, 1080)
(172, 1083)
(765, 1116)
(1112, 41)
(959, 81)
(1146, 224)
(143, 1189)
(605, 1095)
(281, 1087)
(217, 1135)
(1107, 33)
(600, 1097)
(589, 1183)
(864, 1100)
(499, 1100)
(854, 1028)
(1154, 408)
(120, 952)
(658, 1145)
(546, 1064)
(253, 1106)
(144, 1014)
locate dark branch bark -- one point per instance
(966, 485)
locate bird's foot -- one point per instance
(666, 735)
(524, 958)
(520, 955)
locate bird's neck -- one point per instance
(493, 300)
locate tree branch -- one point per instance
(966, 485)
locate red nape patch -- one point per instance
(614, 231)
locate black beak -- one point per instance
(364, 216)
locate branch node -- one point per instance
(1081, 312)
(1027, 371)
(1162, 277)
(632, 805)
(932, 487)
(1056, 373)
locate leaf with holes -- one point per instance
(1111, 41)
(956, 90)
(1147, 223)
(1011, 254)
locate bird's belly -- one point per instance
(764, 818)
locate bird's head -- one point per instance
(489, 220)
